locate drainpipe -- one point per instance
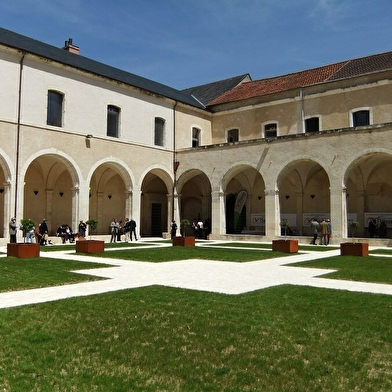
(301, 96)
(175, 163)
(18, 133)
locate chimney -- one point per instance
(70, 47)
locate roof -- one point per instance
(208, 92)
(337, 71)
(29, 45)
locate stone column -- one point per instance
(338, 213)
(218, 215)
(75, 208)
(272, 213)
(136, 208)
(128, 203)
(7, 205)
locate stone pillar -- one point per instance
(128, 203)
(218, 215)
(75, 208)
(7, 205)
(272, 213)
(177, 207)
(84, 203)
(338, 213)
(136, 208)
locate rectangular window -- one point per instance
(159, 132)
(195, 137)
(312, 124)
(113, 120)
(232, 136)
(55, 109)
(270, 130)
(361, 118)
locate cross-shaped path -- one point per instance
(207, 275)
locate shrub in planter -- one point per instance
(354, 248)
(90, 246)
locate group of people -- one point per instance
(40, 234)
(128, 229)
(200, 229)
(377, 229)
(321, 228)
(35, 234)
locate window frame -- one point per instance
(264, 130)
(306, 121)
(236, 137)
(355, 111)
(159, 133)
(55, 110)
(196, 139)
(113, 114)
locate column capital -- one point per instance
(271, 192)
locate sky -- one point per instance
(186, 43)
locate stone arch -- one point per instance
(244, 177)
(110, 192)
(50, 189)
(6, 175)
(369, 192)
(194, 188)
(303, 187)
(157, 185)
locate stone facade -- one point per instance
(317, 162)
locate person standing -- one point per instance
(43, 230)
(127, 230)
(82, 229)
(132, 226)
(173, 229)
(315, 228)
(13, 230)
(324, 232)
(114, 230)
(329, 231)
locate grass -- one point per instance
(283, 339)
(171, 253)
(165, 339)
(364, 269)
(247, 245)
(22, 274)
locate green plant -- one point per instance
(26, 225)
(353, 224)
(92, 224)
(184, 224)
(285, 223)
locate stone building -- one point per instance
(81, 139)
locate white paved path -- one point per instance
(206, 275)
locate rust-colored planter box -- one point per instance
(354, 249)
(90, 246)
(183, 241)
(285, 246)
(23, 251)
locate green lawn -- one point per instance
(22, 274)
(283, 339)
(376, 269)
(164, 339)
(192, 252)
